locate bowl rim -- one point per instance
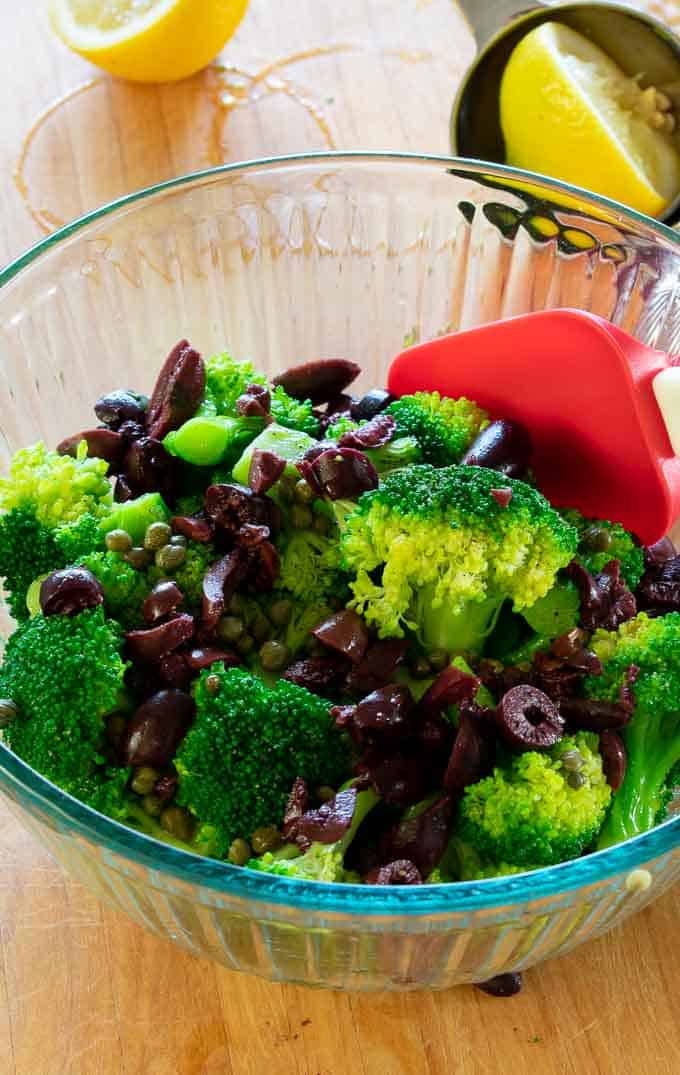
(188, 867)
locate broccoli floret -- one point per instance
(294, 413)
(443, 427)
(80, 538)
(432, 551)
(65, 673)
(247, 745)
(189, 575)
(124, 587)
(601, 541)
(342, 424)
(652, 738)
(27, 549)
(528, 813)
(57, 488)
(399, 452)
(226, 379)
(311, 566)
(321, 862)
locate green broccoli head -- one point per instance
(294, 413)
(311, 566)
(124, 587)
(27, 549)
(601, 541)
(528, 813)
(247, 745)
(432, 550)
(443, 427)
(226, 379)
(652, 739)
(399, 452)
(80, 538)
(65, 673)
(57, 488)
(189, 575)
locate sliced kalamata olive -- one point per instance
(157, 728)
(346, 633)
(165, 787)
(220, 582)
(660, 552)
(102, 443)
(122, 490)
(613, 754)
(385, 711)
(204, 656)
(149, 468)
(660, 586)
(472, 753)
(120, 406)
(150, 645)
(605, 600)
(528, 719)
(435, 735)
(166, 597)
(330, 822)
(451, 687)
(255, 402)
(378, 666)
(502, 496)
(178, 391)
(571, 647)
(264, 565)
(231, 506)
(398, 779)
(317, 674)
(344, 473)
(371, 404)
(422, 839)
(250, 536)
(400, 872)
(297, 805)
(592, 715)
(173, 671)
(68, 592)
(503, 446)
(319, 380)
(265, 470)
(194, 527)
(380, 430)
(503, 985)
(132, 431)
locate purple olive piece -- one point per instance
(178, 391)
(451, 687)
(528, 719)
(297, 805)
(502, 496)
(660, 586)
(165, 598)
(472, 752)
(149, 468)
(68, 592)
(220, 582)
(264, 565)
(265, 470)
(614, 759)
(380, 430)
(400, 872)
(605, 600)
(231, 506)
(173, 671)
(378, 666)
(385, 711)
(255, 402)
(330, 821)
(102, 443)
(204, 656)
(132, 431)
(571, 647)
(157, 728)
(344, 473)
(120, 406)
(249, 536)
(503, 985)
(503, 446)
(317, 674)
(319, 380)
(371, 404)
(660, 552)
(150, 645)
(398, 780)
(193, 527)
(594, 716)
(435, 735)
(346, 633)
(165, 787)
(422, 839)
(122, 490)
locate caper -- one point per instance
(138, 558)
(300, 517)
(322, 523)
(274, 656)
(245, 644)
(261, 627)
(157, 535)
(152, 805)
(230, 629)
(303, 491)
(239, 852)
(325, 793)
(178, 822)
(144, 779)
(438, 659)
(115, 726)
(212, 684)
(266, 838)
(597, 538)
(281, 612)
(576, 780)
(572, 760)
(170, 557)
(178, 539)
(421, 668)
(9, 711)
(118, 541)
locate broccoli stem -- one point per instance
(636, 804)
(465, 632)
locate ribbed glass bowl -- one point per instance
(285, 260)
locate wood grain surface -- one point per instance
(82, 990)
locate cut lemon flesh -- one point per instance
(567, 111)
(147, 40)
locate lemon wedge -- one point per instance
(147, 40)
(568, 111)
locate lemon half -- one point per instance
(147, 40)
(564, 113)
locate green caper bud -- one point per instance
(438, 659)
(266, 838)
(576, 780)
(144, 779)
(597, 538)
(230, 629)
(303, 491)
(245, 644)
(9, 711)
(152, 805)
(572, 760)
(235, 605)
(325, 793)
(170, 557)
(322, 524)
(138, 558)
(115, 726)
(261, 627)
(281, 612)
(178, 822)
(239, 852)
(157, 535)
(178, 539)
(118, 541)
(212, 684)
(300, 517)
(274, 656)
(421, 668)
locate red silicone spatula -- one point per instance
(603, 409)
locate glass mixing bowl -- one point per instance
(292, 259)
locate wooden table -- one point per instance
(82, 990)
